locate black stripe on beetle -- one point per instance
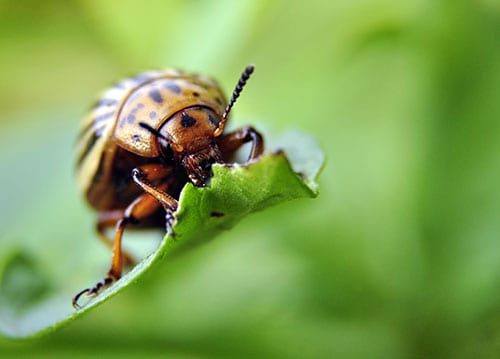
(155, 95)
(95, 122)
(88, 147)
(141, 78)
(104, 116)
(105, 102)
(187, 121)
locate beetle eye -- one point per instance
(206, 163)
(166, 149)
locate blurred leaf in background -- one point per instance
(399, 256)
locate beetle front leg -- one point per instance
(167, 201)
(230, 142)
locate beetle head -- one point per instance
(188, 138)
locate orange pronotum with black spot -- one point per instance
(143, 141)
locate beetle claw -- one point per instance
(77, 297)
(137, 173)
(91, 292)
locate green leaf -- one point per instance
(27, 306)
(22, 283)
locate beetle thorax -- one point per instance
(192, 129)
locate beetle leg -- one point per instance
(154, 171)
(232, 141)
(167, 201)
(141, 208)
(110, 219)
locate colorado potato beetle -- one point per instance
(144, 139)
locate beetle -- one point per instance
(144, 139)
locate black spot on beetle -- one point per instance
(219, 100)
(196, 94)
(173, 87)
(155, 95)
(216, 214)
(152, 115)
(137, 108)
(136, 138)
(187, 121)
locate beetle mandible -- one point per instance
(144, 139)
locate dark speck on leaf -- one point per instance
(216, 214)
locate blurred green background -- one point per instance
(398, 257)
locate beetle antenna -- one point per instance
(236, 93)
(156, 133)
